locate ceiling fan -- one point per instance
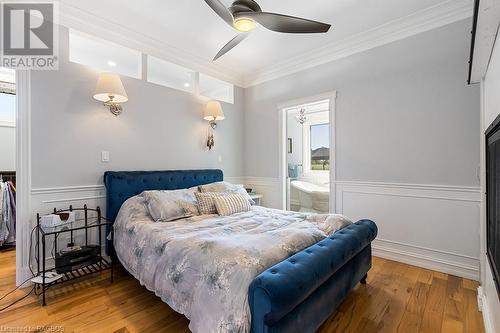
(243, 15)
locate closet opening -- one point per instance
(8, 163)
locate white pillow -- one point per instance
(172, 205)
(226, 187)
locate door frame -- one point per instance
(282, 165)
(23, 174)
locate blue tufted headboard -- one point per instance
(121, 185)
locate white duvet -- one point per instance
(202, 266)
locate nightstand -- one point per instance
(257, 198)
(71, 265)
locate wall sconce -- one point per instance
(110, 91)
(213, 112)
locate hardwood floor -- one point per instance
(397, 298)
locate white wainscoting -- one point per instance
(270, 188)
(44, 200)
(435, 227)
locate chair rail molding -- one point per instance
(431, 226)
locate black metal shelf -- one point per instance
(101, 264)
(82, 272)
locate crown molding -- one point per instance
(82, 20)
(423, 20)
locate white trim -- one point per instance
(472, 189)
(482, 302)
(412, 195)
(50, 190)
(23, 173)
(308, 99)
(389, 243)
(436, 259)
(432, 256)
(94, 197)
(423, 20)
(6, 123)
(413, 256)
(444, 257)
(486, 34)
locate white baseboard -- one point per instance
(458, 265)
(416, 221)
(484, 307)
(430, 226)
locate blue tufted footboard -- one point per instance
(301, 292)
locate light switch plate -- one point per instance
(104, 156)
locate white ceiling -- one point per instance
(191, 30)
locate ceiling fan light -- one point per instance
(244, 24)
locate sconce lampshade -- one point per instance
(109, 86)
(213, 111)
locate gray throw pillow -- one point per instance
(172, 205)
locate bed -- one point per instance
(259, 271)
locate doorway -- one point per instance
(307, 157)
(8, 165)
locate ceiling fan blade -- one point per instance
(221, 10)
(287, 24)
(232, 43)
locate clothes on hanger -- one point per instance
(7, 213)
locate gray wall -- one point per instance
(404, 112)
(294, 131)
(7, 148)
(160, 128)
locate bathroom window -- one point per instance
(320, 147)
(316, 142)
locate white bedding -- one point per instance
(202, 266)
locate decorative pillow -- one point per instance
(231, 204)
(206, 203)
(226, 187)
(168, 206)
